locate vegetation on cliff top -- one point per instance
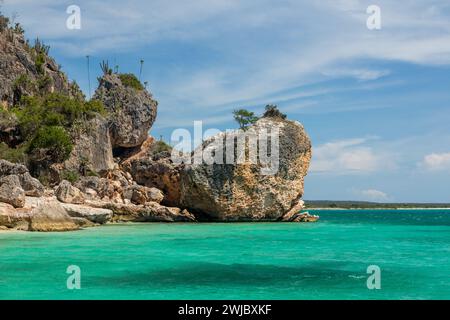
(246, 118)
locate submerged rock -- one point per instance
(250, 190)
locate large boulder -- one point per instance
(47, 214)
(69, 194)
(96, 215)
(11, 191)
(249, 190)
(7, 168)
(32, 186)
(132, 110)
(138, 194)
(11, 217)
(155, 169)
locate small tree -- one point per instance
(273, 112)
(244, 118)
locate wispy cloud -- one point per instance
(436, 162)
(351, 156)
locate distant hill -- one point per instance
(311, 204)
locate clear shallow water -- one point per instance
(323, 260)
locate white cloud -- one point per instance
(436, 162)
(372, 195)
(351, 156)
(359, 74)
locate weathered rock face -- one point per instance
(92, 148)
(10, 217)
(95, 215)
(138, 194)
(7, 168)
(132, 111)
(31, 186)
(11, 191)
(69, 194)
(148, 212)
(47, 215)
(16, 183)
(160, 173)
(20, 73)
(241, 192)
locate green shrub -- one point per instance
(53, 110)
(130, 80)
(39, 62)
(16, 155)
(54, 140)
(71, 176)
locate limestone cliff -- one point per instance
(243, 191)
(131, 108)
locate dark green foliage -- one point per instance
(244, 118)
(39, 62)
(16, 155)
(44, 83)
(130, 80)
(71, 176)
(53, 110)
(273, 112)
(54, 140)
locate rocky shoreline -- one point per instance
(68, 163)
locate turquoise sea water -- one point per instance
(323, 260)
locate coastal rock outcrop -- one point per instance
(148, 212)
(132, 109)
(243, 191)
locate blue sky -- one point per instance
(376, 103)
